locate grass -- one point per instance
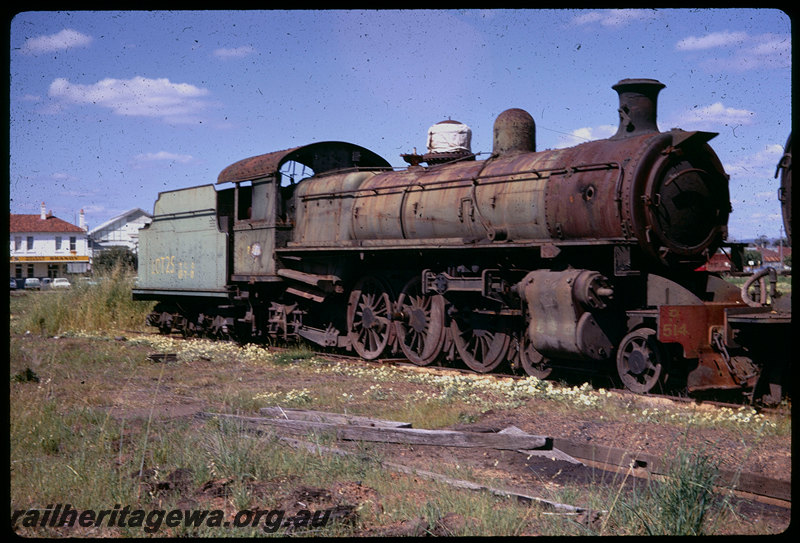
(684, 502)
(783, 286)
(70, 443)
(106, 305)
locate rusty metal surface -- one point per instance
(559, 194)
(689, 325)
(702, 331)
(324, 208)
(561, 323)
(514, 131)
(602, 190)
(320, 157)
(637, 106)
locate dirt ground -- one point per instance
(537, 476)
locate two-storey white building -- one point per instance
(121, 231)
(46, 246)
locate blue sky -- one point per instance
(107, 108)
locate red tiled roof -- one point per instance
(34, 223)
(774, 255)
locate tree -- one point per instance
(752, 256)
(108, 259)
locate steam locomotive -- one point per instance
(584, 257)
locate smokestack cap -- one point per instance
(638, 100)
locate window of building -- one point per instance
(17, 243)
(30, 270)
(72, 243)
(58, 243)
(29, 241)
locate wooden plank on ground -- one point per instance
(552, 454)
(330, 418)
(411, 436)
(738, 480)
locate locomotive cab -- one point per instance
(264, 209)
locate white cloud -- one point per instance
(236, 52)
(588, 133)
(588, 18)
(61, 177)
(164, 155)
(139, 96)
(717, 114)
(66, 39)
(613, 17)
(762, 163)
(709, 41)
(744, 52)
(769, 155)
(766, 51)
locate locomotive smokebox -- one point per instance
(514, 132)
(638, 99)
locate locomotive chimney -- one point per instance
(637, 106)
(514, 132)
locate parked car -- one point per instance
(86, 281)
(32, 283)
(45, 282)
(60, 282)
(13, 284)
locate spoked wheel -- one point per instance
(419, 323)
(533, 362)
(641, 361)
(369, 317)
(481, 349)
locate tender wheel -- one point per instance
(481, 350)
(189, 329)
(533, 362)
(419, 324)
(165, 323)
(641, 361)
(369, 317)
(219, 328)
